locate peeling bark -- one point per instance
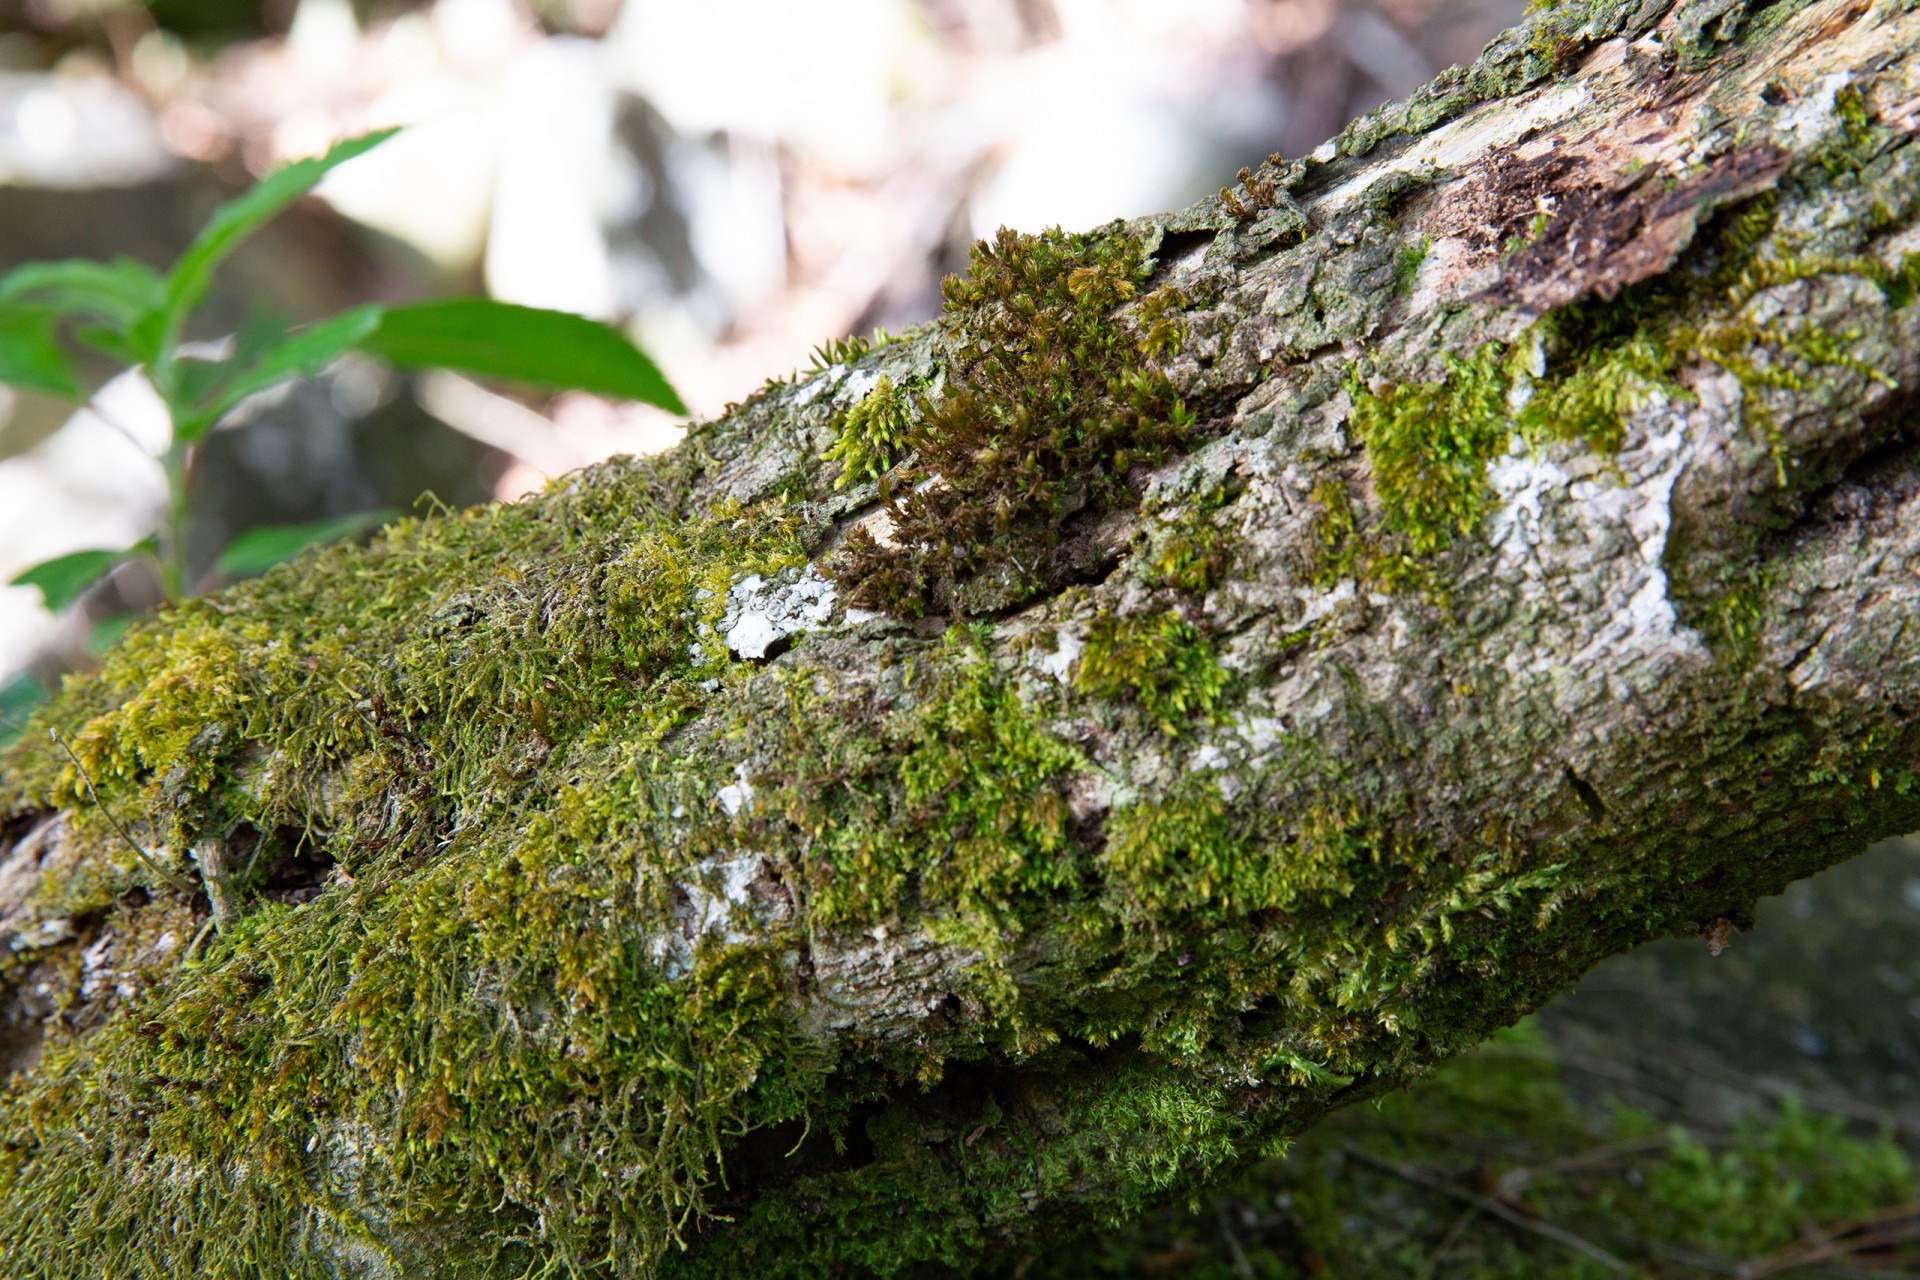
(1536, 578)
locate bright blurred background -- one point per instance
(734, 181)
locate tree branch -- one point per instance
(1260, 651)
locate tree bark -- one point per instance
(1230, 662)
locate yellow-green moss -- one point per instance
(872, 435)
(469, 719)
(1429, 446)
(1048, 405)
(1189, 855)
(1592, 364)
(1185, 547)
(952, 799)
(1158, 661)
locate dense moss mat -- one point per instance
(1047, 405)
(871, 959)
(1685, 1111)
(467, 721)
(1488, 1170)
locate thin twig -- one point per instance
(1454, 1232)
(1507, 1214)
(211, 854)
(1241, 1267)
(1897, 1225)
(93, 793)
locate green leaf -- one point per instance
(523, 344)
(258, 550)
(30, 352)
(120, 293)
(214, 391)
(18, 697)
(63, 579)
(106, 633)
(234, 221)
(113, 343)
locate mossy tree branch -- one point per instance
(1294, 637)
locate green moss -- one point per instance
(1429, 446)
(953, 801)
(1048, 405)
(1190, 856)
(1158, 661)
(1851, 147)
(1185, 547)
(1406, 265)
(1339, 551)
(873, 435)
(495, 1044)
(437, 715)
(1131, 1132)
(1734, 620)
(1358, 1195)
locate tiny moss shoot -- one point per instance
(1158, 661)
(873, 435)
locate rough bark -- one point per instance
(1230, 662)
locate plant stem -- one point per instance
(173, 532)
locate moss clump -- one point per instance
(1855, 144)
(873, 435)
(1384, 1191)
(1116, 1139)
(1192, 855)
(1048, 405)
(953, 799)
(1407, 263)
(1158, 661)
(1429, 446)
(472, 1020)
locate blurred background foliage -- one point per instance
(736, 181)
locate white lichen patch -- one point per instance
(859, 383)
(761, 613)
(733, 898)
(1587, 536)
(1067, 647)
(810, 390)
(736, 796)
(1522, 482)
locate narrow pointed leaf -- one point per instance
(300, 354)
(63, 579)
(522, 344)
(258, 550)
(30, 352)
(118, 294)
(18, 697)
(234, 221)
